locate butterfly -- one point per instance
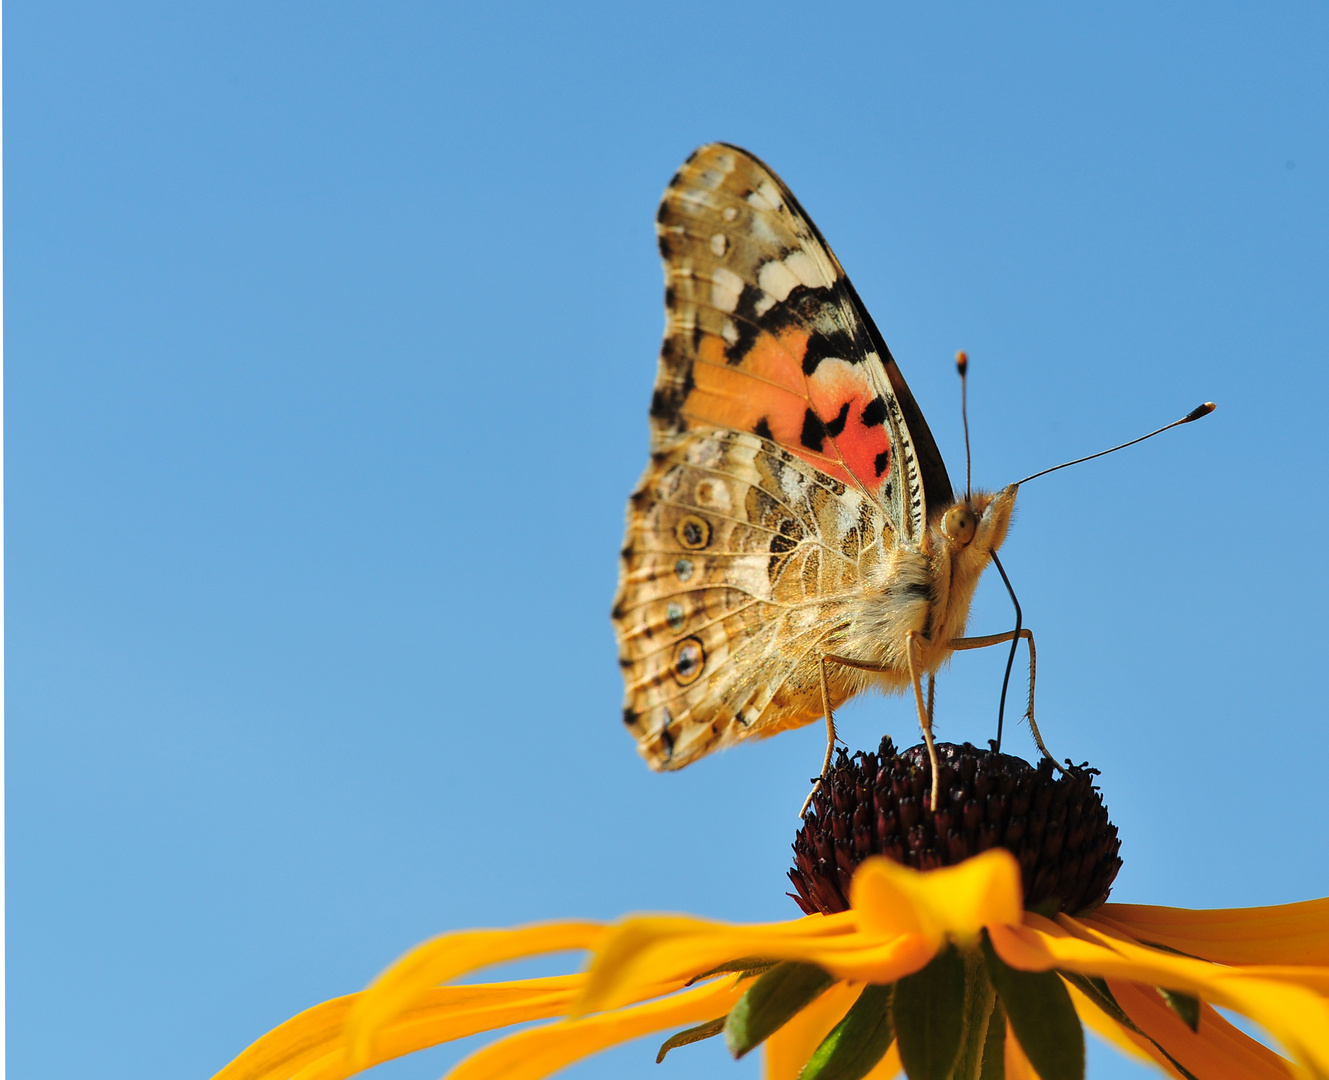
(795, 538)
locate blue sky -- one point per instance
(331, 332)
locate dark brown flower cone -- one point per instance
(877, 804)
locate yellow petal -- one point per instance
(1313, 977)
(653, 949)
(955, 901)
(446, 957)
(538, 1052)
(440, 1014)
(788, 1050)
(1283, 934)
(303, 1038)
(1297, 1017)
(1216, 1049)
(1017, 1065)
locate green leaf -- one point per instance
(771, 1002)
(857, 1042)
(928, 1012)
(1186, 1006)
(690, 1035)
(994, 1047)
(1041, 1015)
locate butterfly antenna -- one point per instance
(962, 366)
(1194, 414)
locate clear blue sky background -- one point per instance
(331, 331)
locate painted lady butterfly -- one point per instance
(795, 538)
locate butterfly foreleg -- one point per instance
(959, 644)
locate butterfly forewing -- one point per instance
(789, 461)
(764, 333)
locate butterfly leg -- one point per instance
(959, 644)
(924, 713)
(912, 640)
(831, 737)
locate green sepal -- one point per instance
(745, 966)
(928, 1013)
(687, 1036)
(771, 1002)
(1186, 1006)
(1041, 1015)
(857, 1042)
(994, 1046)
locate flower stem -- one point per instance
(979, 1001)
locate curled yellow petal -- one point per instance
(445, 957)
(1281, 934)
(955, 901)
(659, 948)
(540, 1051)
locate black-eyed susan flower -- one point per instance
(966, 944)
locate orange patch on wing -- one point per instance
(767, 384)
(835, 385)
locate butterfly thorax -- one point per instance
(927, 589)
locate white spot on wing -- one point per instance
(719, 244)
(730, 213)
(776, 279)
(766, 197)
(696, 199)
(804, 267)
(761, 230)
(726, 287)
(832, 369)
(729, 332)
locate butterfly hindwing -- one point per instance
(765, 333)
(738, 567)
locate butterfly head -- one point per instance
(974, 527)
(962, 540)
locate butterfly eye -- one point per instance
(959, 524)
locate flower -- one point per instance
(964, 964)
